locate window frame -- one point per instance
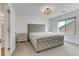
(66, 25)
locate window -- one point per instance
(67, 25)
(61, 26)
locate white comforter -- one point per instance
(39, 35)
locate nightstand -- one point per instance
(21, 37)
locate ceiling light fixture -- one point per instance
(47, 10)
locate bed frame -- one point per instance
(55, 41)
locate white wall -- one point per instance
(29, 13)
(22, 22)
(74, 38)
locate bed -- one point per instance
(42, 40)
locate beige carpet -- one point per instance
(26, 49)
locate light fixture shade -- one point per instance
(47, 10)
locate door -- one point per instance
(5, 29)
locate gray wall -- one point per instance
(74, 38)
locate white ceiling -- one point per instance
(32, 9)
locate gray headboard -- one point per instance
(36, 28)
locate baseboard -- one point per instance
(71, 42)
(13, 51)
